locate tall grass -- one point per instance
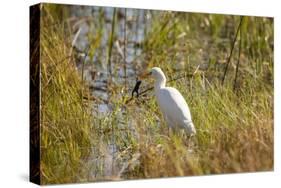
(66, 121)
(234, 127)
(234, 134)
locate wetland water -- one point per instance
(95, 23)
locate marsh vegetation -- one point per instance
(93, 130)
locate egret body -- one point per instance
(172, 104)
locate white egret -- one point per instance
(172, 104)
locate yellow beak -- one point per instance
(145, 75)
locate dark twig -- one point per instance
(136, 88)
(238, 61)
(145, 91)
(233, 44)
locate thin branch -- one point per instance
(238, 61)
(233, 44)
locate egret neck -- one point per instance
(160, 81)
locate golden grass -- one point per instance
(66, 120)
(234, 127)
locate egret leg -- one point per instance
(169, 122)
(191, 142)
(170, 125)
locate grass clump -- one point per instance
(65, 118)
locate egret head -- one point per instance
(159, 76)
(157, 73)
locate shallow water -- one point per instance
(96, 71)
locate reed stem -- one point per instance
(238, 61)
(230, 55)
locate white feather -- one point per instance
(172, 104)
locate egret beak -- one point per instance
(145, 75)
